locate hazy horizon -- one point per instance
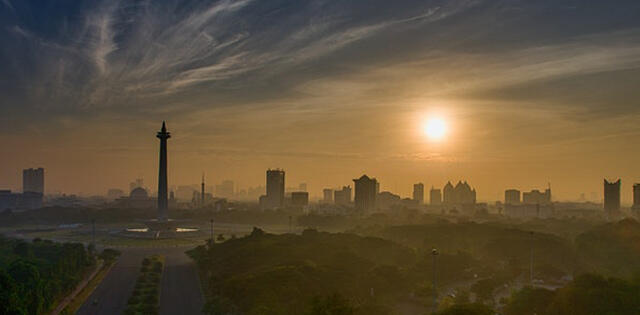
(327, 91)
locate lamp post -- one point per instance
(434, 254)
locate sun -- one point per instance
(435, 129)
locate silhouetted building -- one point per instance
(612, 196)
(435, 197)
(299, 198)
(636, 199)
(163, 195)
(225, 189)
(24, 201)
(8, 200)
(512, 197)
(327, 195)
(387, 200)
(275, 190)
(139, 182)
(33, 180)
(418, 193)
(138, 199)
(536, 197)
(461, 194)
(342, 197)
(530, 210)
(302, 187)
(365, 193)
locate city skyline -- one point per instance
(314, 89)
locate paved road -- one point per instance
(180, 293)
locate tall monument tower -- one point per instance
(163, 199)
(202, 192)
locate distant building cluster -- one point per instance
(32, 192)
(534, 204)
(364, 197)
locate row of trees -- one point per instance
(34, 276)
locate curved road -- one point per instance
(180, 292)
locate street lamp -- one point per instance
(434, 254)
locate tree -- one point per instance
(10, 303)
(467, 309)
(333, 304)
(529, 301)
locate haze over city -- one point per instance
(326, 90)
(319, 157)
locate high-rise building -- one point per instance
(418, 193)
(299, 198)
(33, 180)
(435, 197)
(512, 197)
(612, 196)
(461, 194)
(365, 193)
(342, 197)
(275, 189)
(536, 197)
(327, 195)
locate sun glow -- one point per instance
(435, 129)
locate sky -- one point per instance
(532, 92)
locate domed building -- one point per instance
(138, 199)
(139, 193)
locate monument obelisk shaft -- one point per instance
(163, 199)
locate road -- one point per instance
(180, 292)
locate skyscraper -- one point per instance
(418, 193)
(327, 195)
(435, 197)
(536, 197)
(461, 194)
(342, 197)
(33, 180)
(612, 196)
(365, 193)
(163, 198)
(512, 197)
(275, 189)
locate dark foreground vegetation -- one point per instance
(146, 294)
(481, 269)
(35, 276)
